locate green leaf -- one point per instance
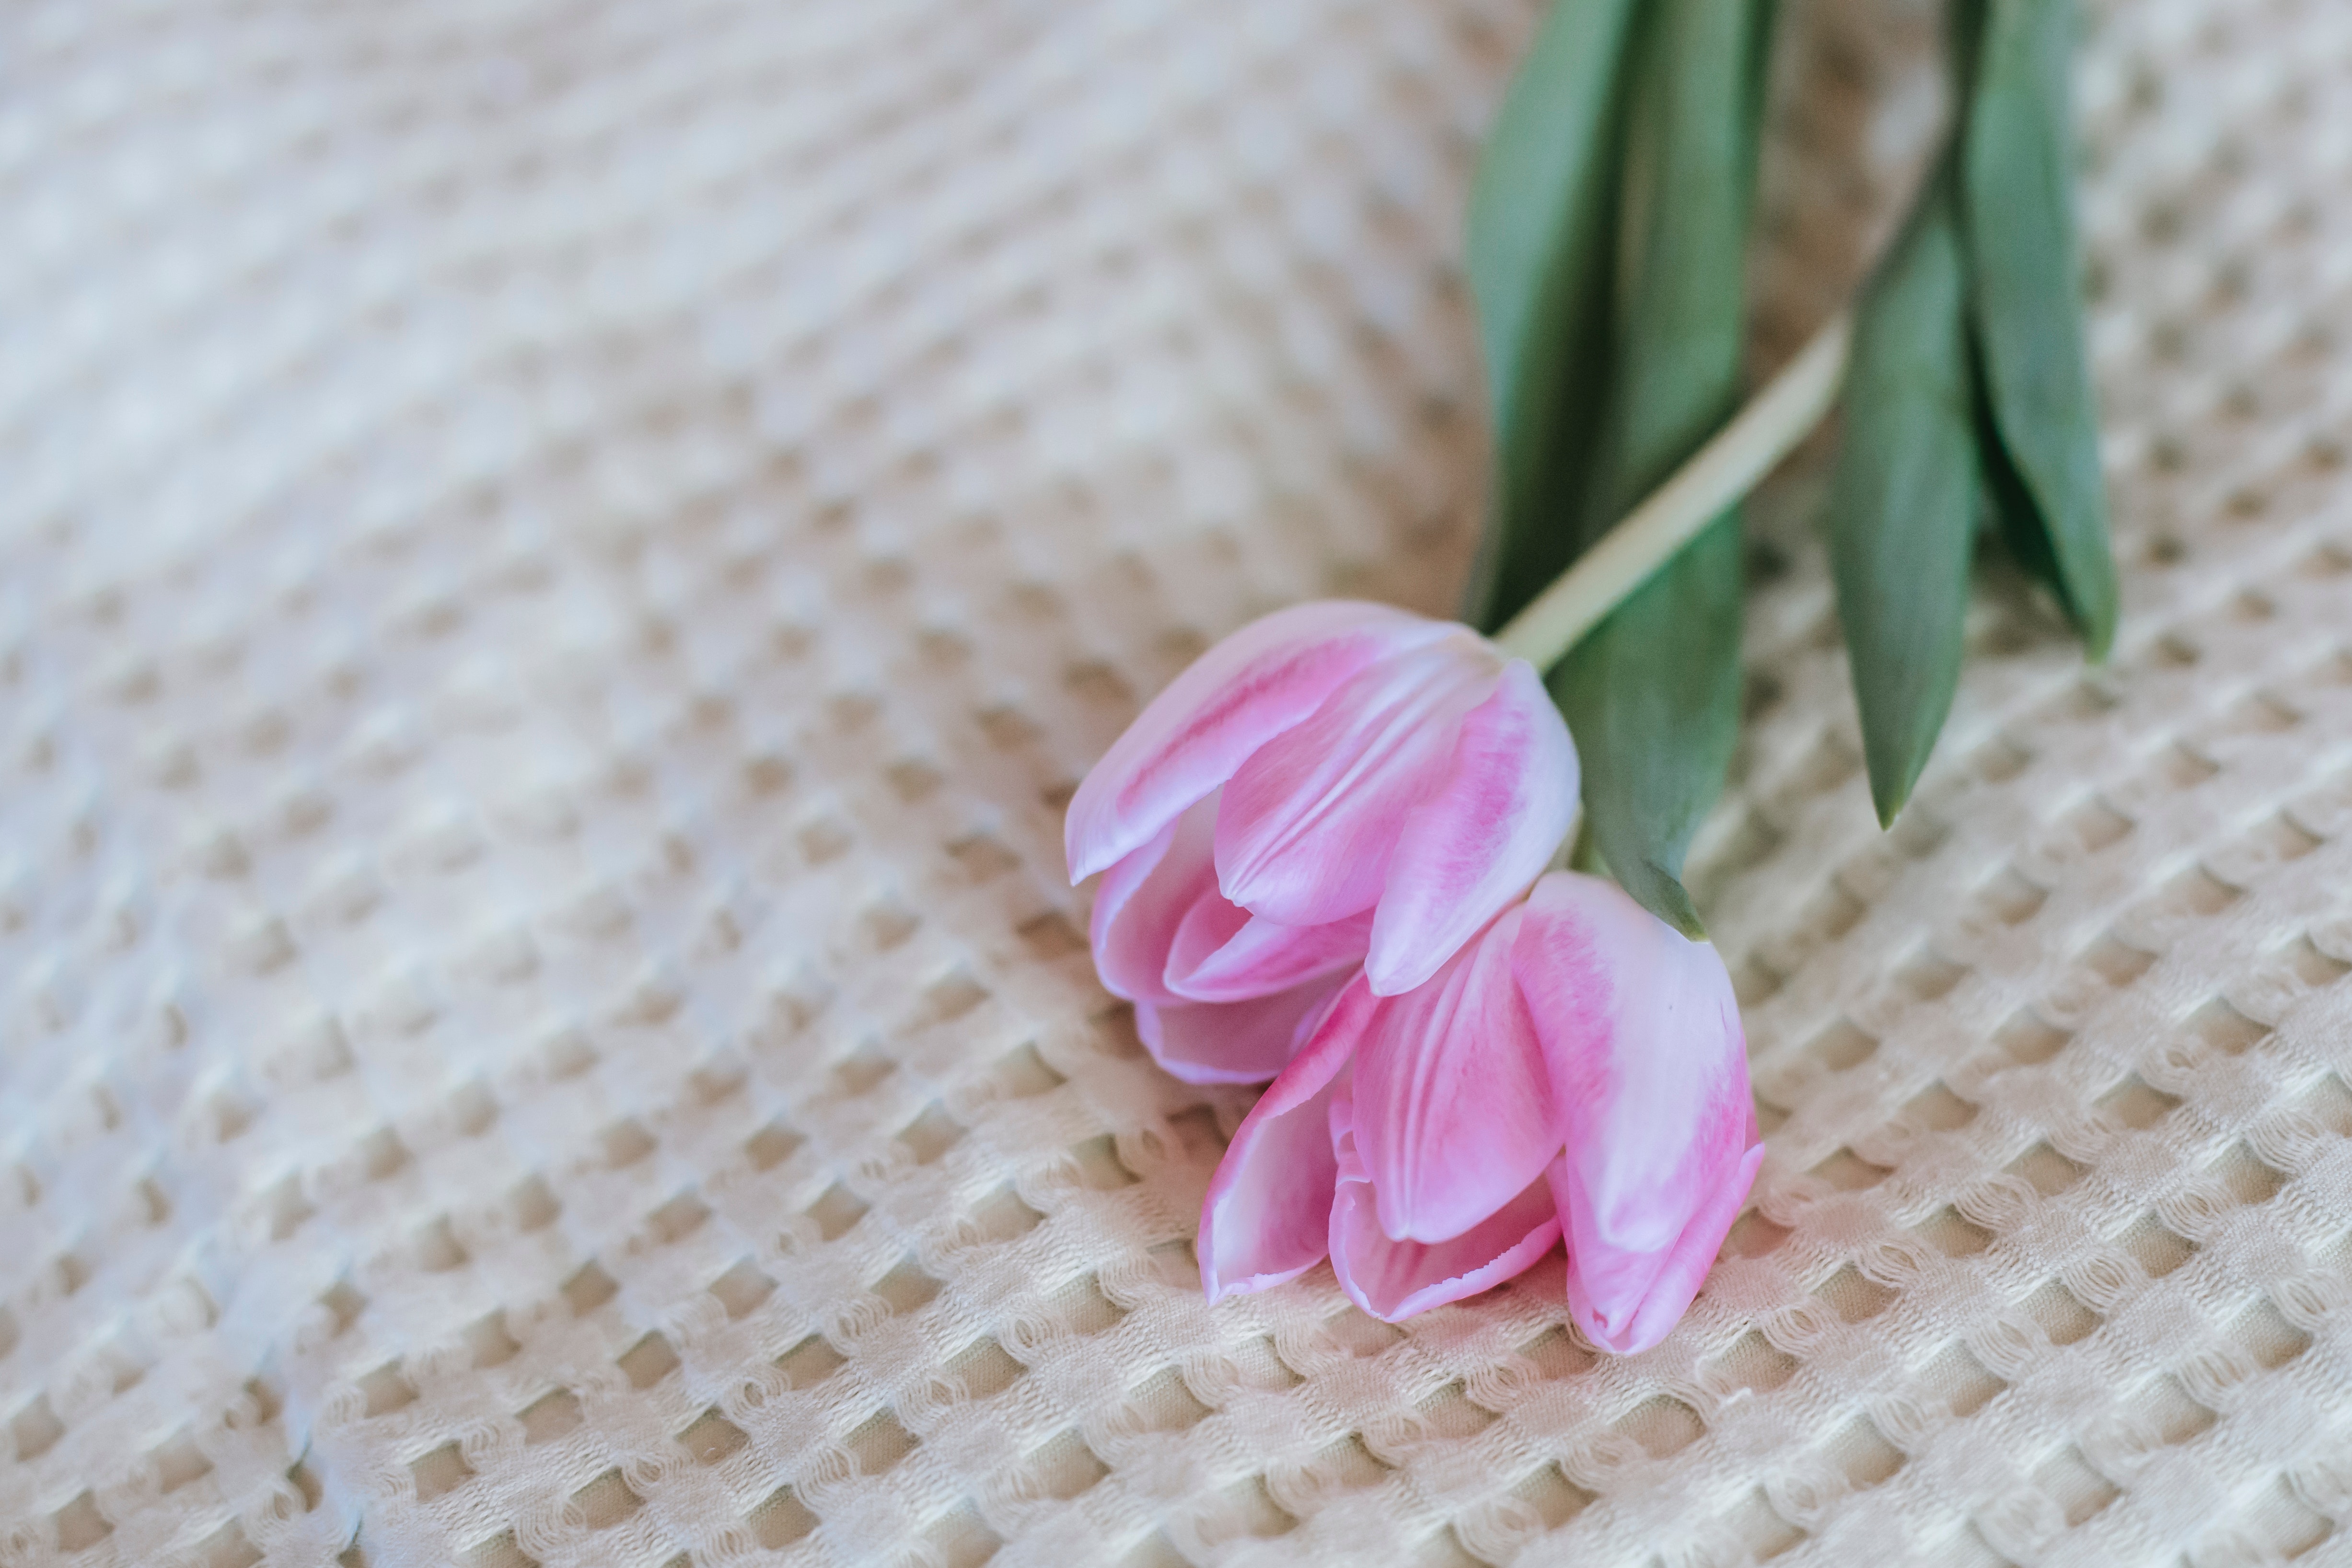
(1653, 698)
(1682, 307)
(1903, 501)
(1653, 693)
(2018, 220)
(1539, 252)
(2011, 505)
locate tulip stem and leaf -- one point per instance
(1541, 255)
(1323, 846)
(1645, 265)
(1605, 254)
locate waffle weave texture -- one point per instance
(559, 562)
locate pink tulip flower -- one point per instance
(1649, 1069)
(1336, 785)
(1578, 1065)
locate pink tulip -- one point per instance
(1580, 1063)
(1335, 785)
(1649, 1068)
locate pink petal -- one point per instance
(1219, 958)
(1309, 823)
(1248, 689)
(1481, 837)
(1649, 1069)
(1143, 901)
(1231, 1042)
(1675, 1285)
(1454, 1106)
(1394, 1279)
(1268, 1215)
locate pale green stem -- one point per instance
(1762, 433)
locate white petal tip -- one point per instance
(1249, 1285)
(1386, 976)
(1193, 1073)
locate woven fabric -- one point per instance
(559, 562)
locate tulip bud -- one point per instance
(1336, 785)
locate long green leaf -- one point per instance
(1653, 693)
(1540, 251)
(2018, 218)
(1653, 698)
(1904, 499)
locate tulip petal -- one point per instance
(1676, 1283)
(1247, 689)
(1268, 1215)
(1231, 1042)
(1394, 1279)
(1309, 824)
(1649, 1070)
(1143, 901)
(1453, 1103)
(1217, 958)
(1481, 837)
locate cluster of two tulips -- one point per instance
(1324, 849)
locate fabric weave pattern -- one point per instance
(559, 561)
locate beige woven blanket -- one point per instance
(559, 559)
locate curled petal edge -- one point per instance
(1680, 1274)
(1266, 1217)
(1451, 1101)
(1307, 826)
(1231, 1042)
(1394, 1281)
(1481, 837)
(1244, 690)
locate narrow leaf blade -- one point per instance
(1653, 693)
(1538, 253)
(2015, 516)
(1905, 496)
(1653, 696)
(2018, 212)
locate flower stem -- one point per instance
(1762, 433)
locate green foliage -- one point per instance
(1970, 395)
(2018, 212)
(1904, 501)
(1540, 249)
(1606, 249)
(1653, 698)
(1607, 236)
(1653, 692)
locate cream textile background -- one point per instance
(557, 563)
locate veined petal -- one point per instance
(1481, 835)
(1310, 822)
(1246, 690)
(1142, 903)
(1268, 1215)
(1217, 960)
(1649, 1070)
(1453, 1103)
(1394, 1279)
(1231, 1042)
(1675, 1285)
